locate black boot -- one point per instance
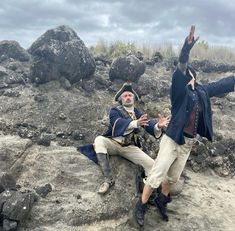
(106, 170)
(161, 203)
(154, 195)
(139, 212)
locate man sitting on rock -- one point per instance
(121, 138)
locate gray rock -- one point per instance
(44, 139)
(60, 53)
(43, 190)
(127, 68)
(9, 225)
(18, 206)
(12, 50)
(3, 71)
(7, 182)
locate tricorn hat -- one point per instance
(126, 87)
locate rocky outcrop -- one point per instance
(209, 67)
(126, 69)
(13, 50)
(42, 125)
(14, 64)
(60, 53)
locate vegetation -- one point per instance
(201, 51)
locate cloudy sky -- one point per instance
(140, 21)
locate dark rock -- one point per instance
(148, 85)
(12, 49)
(7, 182)
(101, 82)
(62, 116)
(11, 93)
(44, 139)
(9, 225)
(4, 196)
(77, 135)
(88, 86)
(61, 134)
(127, 69)
(139, 55)
(103, 59)
(60, 53)
(43, 190)
(215, 161)
(149, 62)
(39, 97)
(157, 57)
(25, 132)
(3, 71)
(18, 206)
(65, 83)
(3, 85)
(208, 66)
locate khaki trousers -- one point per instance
(130, 152)
(170, 161)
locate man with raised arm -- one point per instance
(121, 138)
(190, 115)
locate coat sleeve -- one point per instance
(152, 130)
(222, 86)
(118, 122)
(178, 86)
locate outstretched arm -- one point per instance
(222, 86)
(184, 54)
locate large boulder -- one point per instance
(14, 64)
(127, 68)
(13, 50)
(60, 53)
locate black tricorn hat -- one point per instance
(126, 87)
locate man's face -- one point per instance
(127, 99)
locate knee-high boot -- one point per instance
(106, 170)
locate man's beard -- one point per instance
(128, 104)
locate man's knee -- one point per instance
(99, 139)
(100, 145)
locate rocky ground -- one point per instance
(41, 126)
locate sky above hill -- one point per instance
(143, 22)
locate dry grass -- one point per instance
(201, 51)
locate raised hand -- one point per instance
(163, 121)
(188, 44)
(143, 120)
(190, 38)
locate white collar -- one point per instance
(129, 109)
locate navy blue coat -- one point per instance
(119, 122)
(182, 105)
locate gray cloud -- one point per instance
(152, 21)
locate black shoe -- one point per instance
(161, 203)
(153, 196)
(139, 212)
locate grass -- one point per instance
(201, 51)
